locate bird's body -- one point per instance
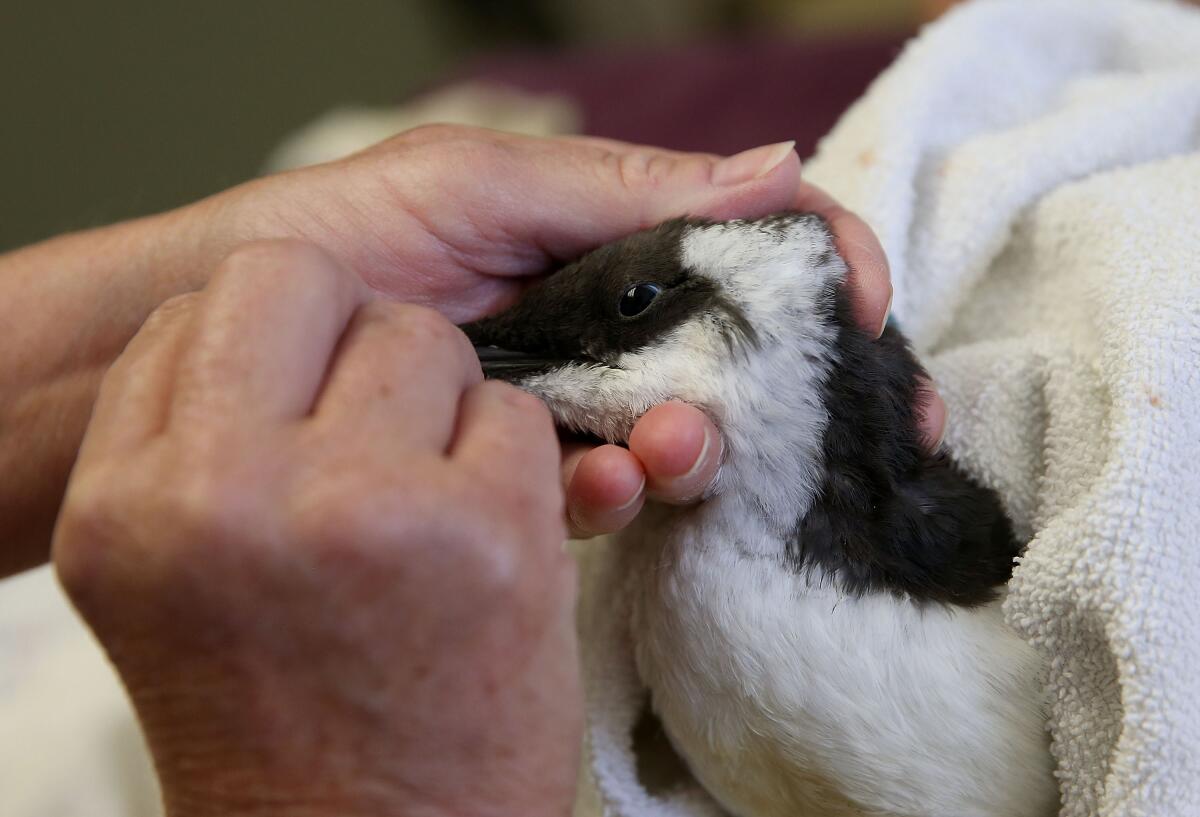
(822, 636)
(791, 698)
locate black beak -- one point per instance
(508, 364)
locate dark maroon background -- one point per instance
(720, 97)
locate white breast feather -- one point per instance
(789, 699)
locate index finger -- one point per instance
(271, 318)
(506, 438)
(869, 281)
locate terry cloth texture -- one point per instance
(1033, 171)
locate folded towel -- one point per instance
(1034, 175)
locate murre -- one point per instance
(822, 635)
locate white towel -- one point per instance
(1032, 169)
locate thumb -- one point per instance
(597, 190)
(562, 196)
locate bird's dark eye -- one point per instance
(637, 298)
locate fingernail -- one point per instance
(945, 425)
(699, 465)
(751, 164)
(701, 458)
(633, 500)
(935, 445)
(887, 313)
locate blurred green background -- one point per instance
(118, 109)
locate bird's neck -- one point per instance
(775, 430)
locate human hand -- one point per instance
(459, 218)
(294, 527)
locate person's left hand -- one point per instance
(459, 218)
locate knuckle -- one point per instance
(436, 132)
(541, 516)
(378, 316)
(265, 262)
(494, 560)
(333, 510)
(422, 321)
(428, 328)
(477, 151)
(526, 510)
(462, 146)
(195, 504)
(516, 561)
(272, 252)
(94, 518)
(174, 307)
(637, 171)
(322, 519)
(493, 542)
(209, 490)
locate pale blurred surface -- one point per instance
(69, 745)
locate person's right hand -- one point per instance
(326, 557)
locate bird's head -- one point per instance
(734, 317)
